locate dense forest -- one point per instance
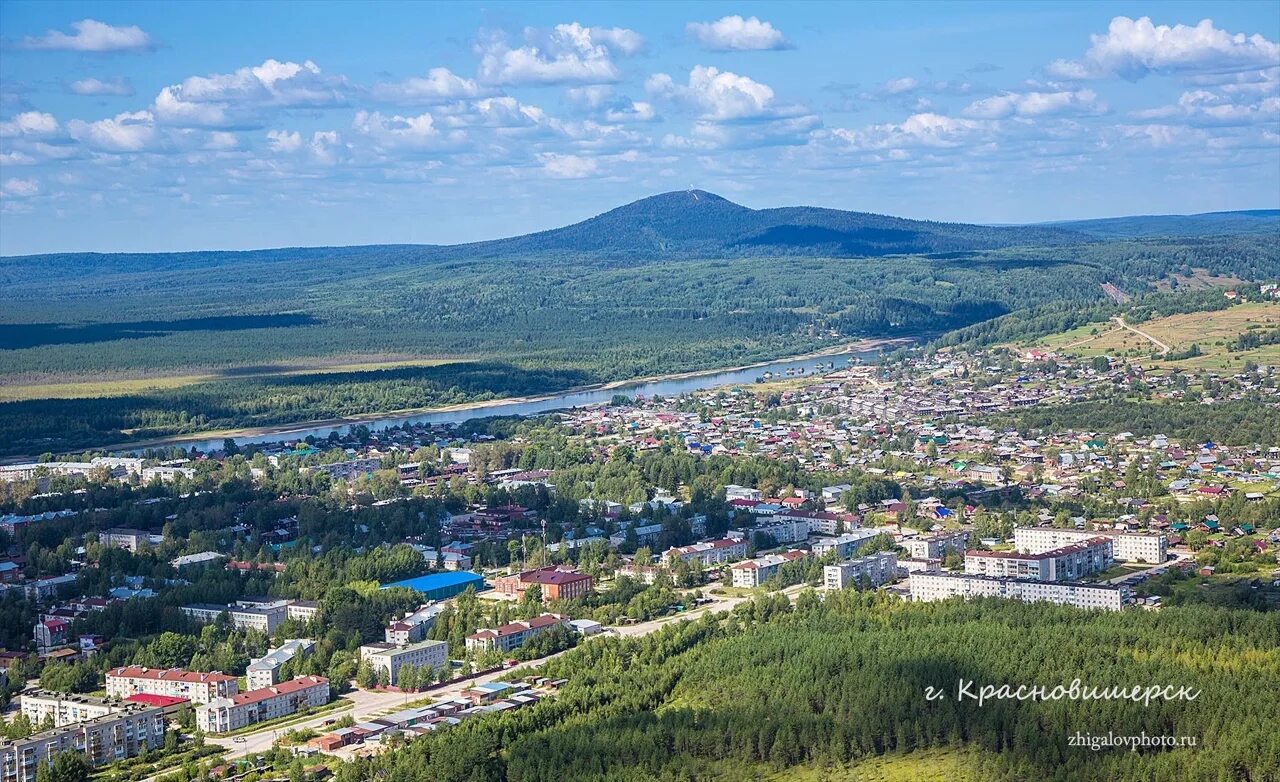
(827, 682)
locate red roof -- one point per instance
(162, 701)
(283, 688)
(169, 675)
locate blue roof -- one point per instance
(449, 578)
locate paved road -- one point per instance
(1178, 559)
(369, 703)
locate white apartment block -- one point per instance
(247, 708)
(265, 671)
(755, 572)
(174, 682)
(1067, 563)
(413, 627)
(508, 637)
(390, 658)
(712, 552)
(734, 492)
(787, 530)
(844, 546)
(927, 587)
(301, 610)
(937, 545)
(64, 709)
(877, 569)
(106, 739)
(1125, 546)
(264, 620)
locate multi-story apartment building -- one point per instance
(711, 552)
(844, 546)
(1125, 546)
(926, 587)
(121, 734)
(174, 682)
(262, 619)
(873, 570)
(508, 637)
(936, 546)
(785, 529)
(755, 572)
(413, 627)
(1067, 563)
(389, 658)
(265, 671)
(62, 708)
(556, 583)
(128, 539)
(279, 700)
(301, 610)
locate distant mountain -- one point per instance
(1250, 222)
(691, 223)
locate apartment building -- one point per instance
(755, 572)
(844, 546)
(414, 626)
(263, 619)
(873, 570)
(389, 658)
(64, 709)
(247, 708)
(1125, 546)
(790, 529)
(265, 671)
(176, 683)
(1067, 563)
(711, 552)
(122, 734)
(937, 545)
(508, 637)
(301, 610)
(556, 582)
(927, 587)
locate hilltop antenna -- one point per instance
(693, 192)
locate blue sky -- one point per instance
(178, 126)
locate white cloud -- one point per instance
(721, 95)
(733, 33)
(390, 132)
(637, 111)
(899, 86)
(1036, 104)
(438, 86)
(560, 166)
(92, 36)
(284, 141)
(919, 130)
(20, 188)
(1204, 108)
(126, 132)
(568, 54)
(238, 98)
(29, 123)
(117, 85)
(1131, 49)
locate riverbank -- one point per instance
(667, 384)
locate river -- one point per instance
(671, 386)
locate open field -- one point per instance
(15, 389)
(1212, 332)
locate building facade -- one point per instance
(937, 545)
(389, 658)
(508, 637)
(62, 708)
(755, 572)
(712, 552)
(247, 708)
(194, 686)
(1067, 563)
(122, 734)
(1125, 546)
(844, 546)
(265, 671)
(872, 570)
(556, 583)
(262, 619)
(927, 587)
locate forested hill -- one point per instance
(1252, 222)
(695, 223)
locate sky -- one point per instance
(184, 126)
